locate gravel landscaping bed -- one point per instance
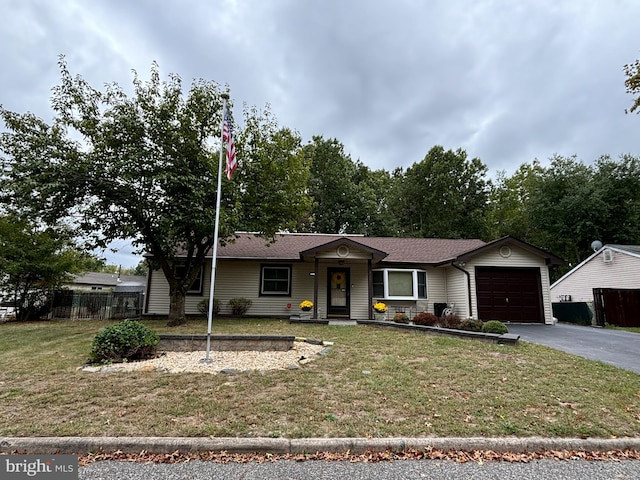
(220, 362)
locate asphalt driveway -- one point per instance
(615, 347)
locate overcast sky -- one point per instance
(508, 81)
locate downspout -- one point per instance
(468, 275)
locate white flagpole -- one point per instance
(214, 259)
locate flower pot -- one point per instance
(305, 314)
(379, 316)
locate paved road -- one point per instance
(616, 347)
(398, 470)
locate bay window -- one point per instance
(399, 284)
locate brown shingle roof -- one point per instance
(399, 250)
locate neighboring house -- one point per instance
(98, 295)
(107, 282)
(612, 267)
(344, 275)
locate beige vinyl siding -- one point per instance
(457, 291)
(436, 288)
(518, 258)
(622, 272)
(234, 279)
(360, 307)
(242, 279)
(158, 294)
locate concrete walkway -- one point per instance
(615, 347)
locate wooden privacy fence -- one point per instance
(617, 306)
(69, 304)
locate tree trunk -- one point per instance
(176, 308)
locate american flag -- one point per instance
(229, 144)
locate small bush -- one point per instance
(129, 340)
(239, 306)
(471, 325)
(450, 321)
(401, 318)
(495, 326)
(203, 306)
(425, 318)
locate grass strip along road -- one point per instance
(373, 383)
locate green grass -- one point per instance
(418, 385)
(628, 329)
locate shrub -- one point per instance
(203, 306)
(471, 325)
(494, 326)
(239, 306)
(425, 318)
(401, 318)
(130, 340)
(450, 321)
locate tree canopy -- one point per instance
(144, 167)
(445, 195)
(566, 206)
(34, 262)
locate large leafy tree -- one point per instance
(34, 262)
(270, 193)
(445, 195)
(507, 214)
(566, 206)
(331, 186)
(144, 167)
(618, 184)
(348, 197)
(376, 189)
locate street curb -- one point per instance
(159, 445)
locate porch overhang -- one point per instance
(341, 250)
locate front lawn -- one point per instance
(374, 383)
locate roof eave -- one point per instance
(550, 259)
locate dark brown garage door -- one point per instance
(509, 294)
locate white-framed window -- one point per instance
(196, 287)
(399, 284)
(275, 280)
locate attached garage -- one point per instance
(509, 294)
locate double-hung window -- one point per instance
(196, 286)
(399, 284)
(275, 280)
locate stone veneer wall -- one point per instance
(220, 343)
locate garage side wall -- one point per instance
(456, 283)
(623, 271)
(512, 257)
